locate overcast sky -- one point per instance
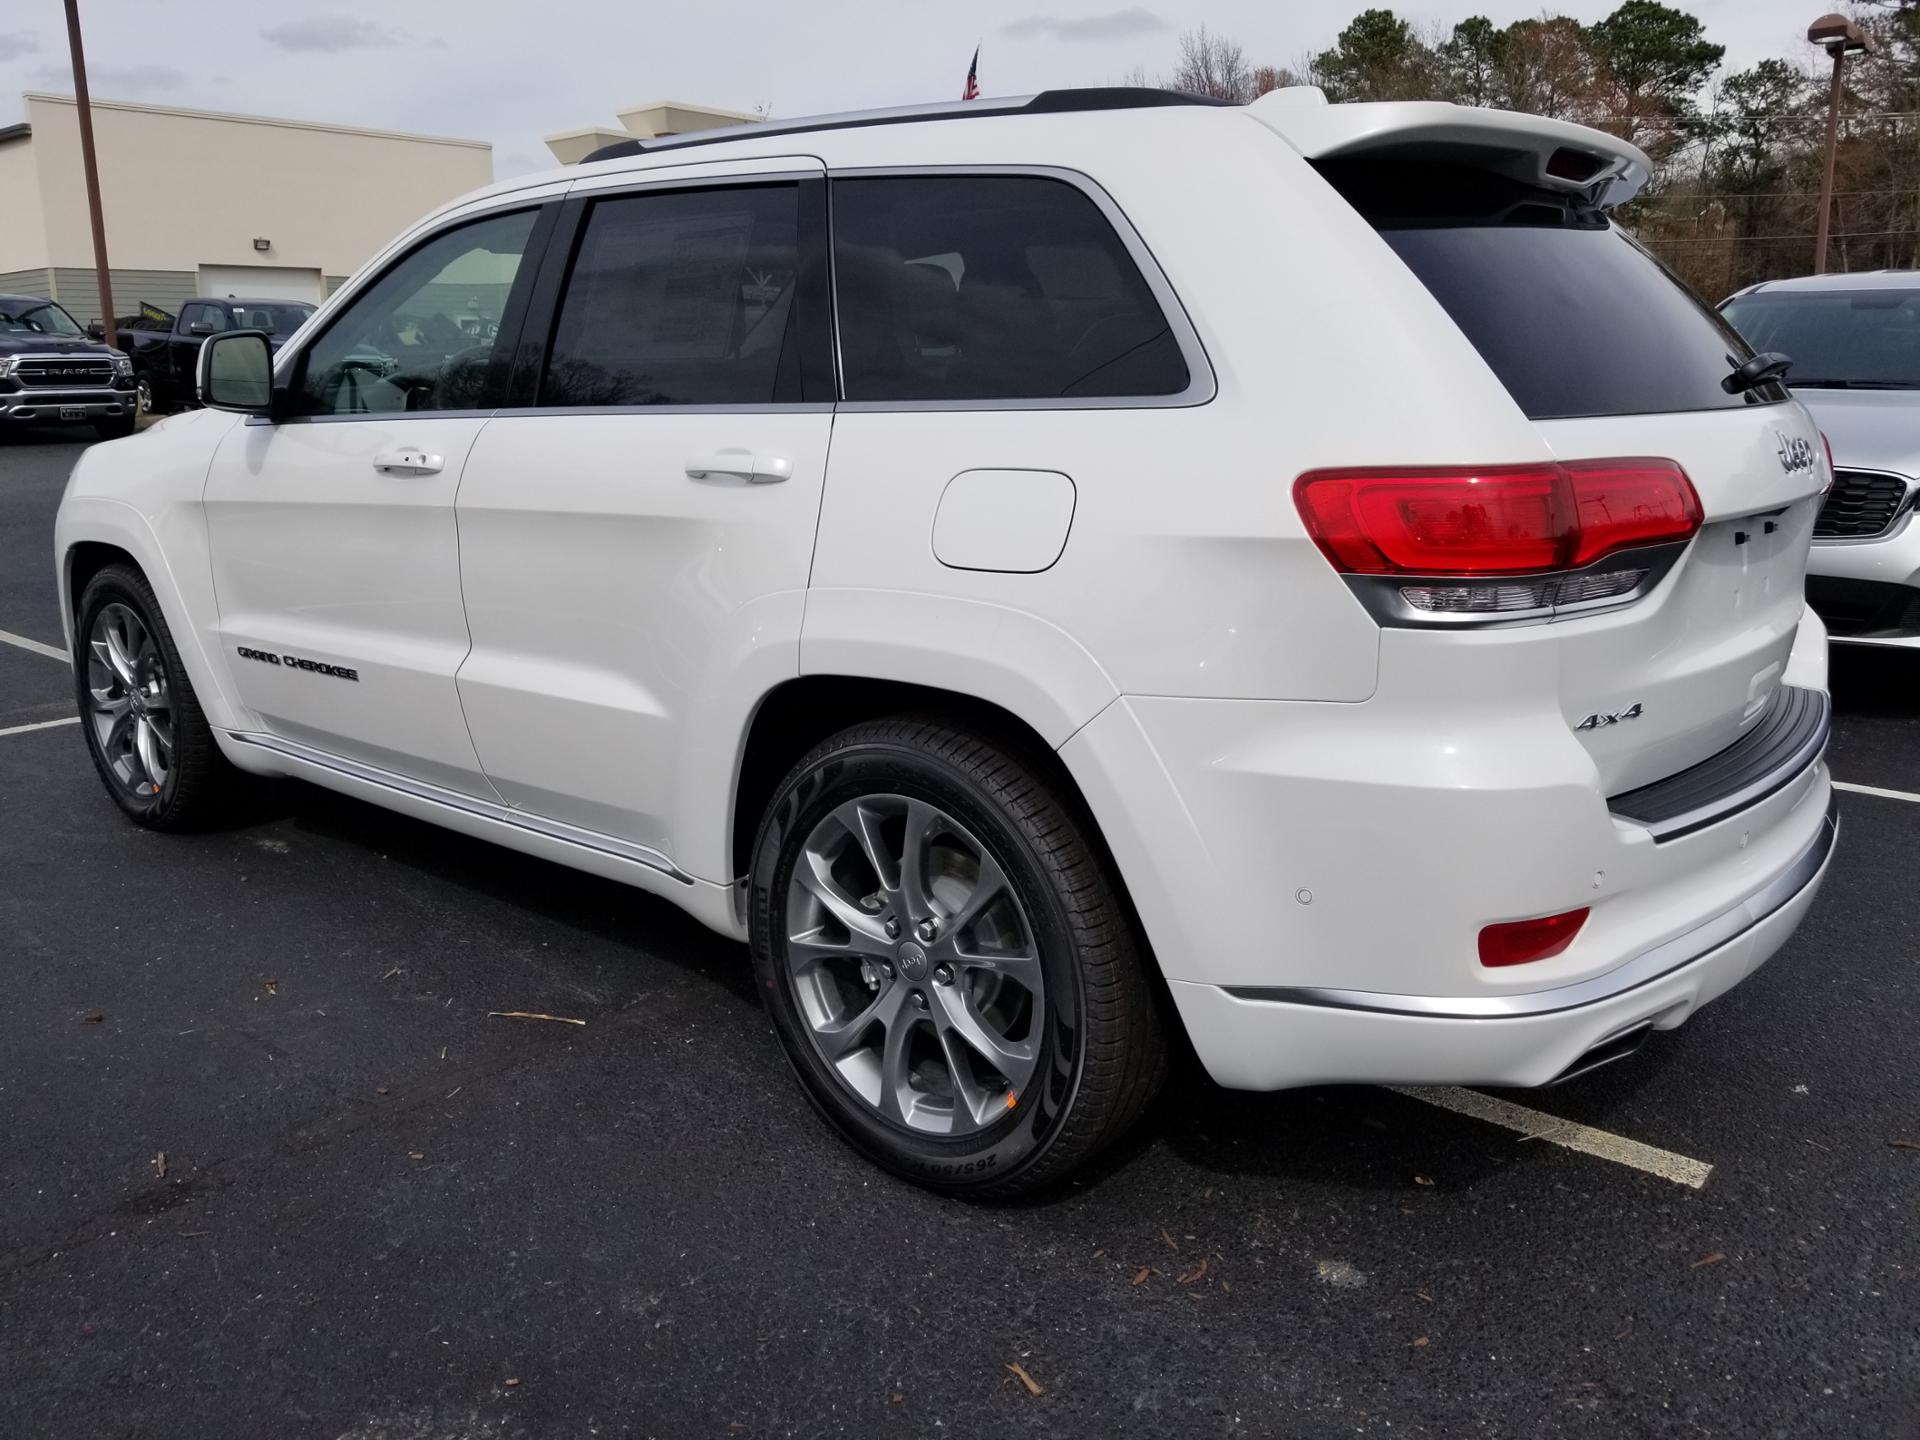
(510, 71)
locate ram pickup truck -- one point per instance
(52, 371)
(166, 347)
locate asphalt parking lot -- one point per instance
(384, 1213)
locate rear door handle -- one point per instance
(740, 465)
(408, 461)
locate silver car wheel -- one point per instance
(132, 712)
(143, 391)
(914, 965)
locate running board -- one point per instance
(469, 805)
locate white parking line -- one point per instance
(1536, 1125)
(7, 637)
(1876, 790)
(40, 725)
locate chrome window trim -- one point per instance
(1902, 512)
(1643, 969)
(1201, 384)
(363, 417)
(466, 804)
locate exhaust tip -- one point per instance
(1614, 1047)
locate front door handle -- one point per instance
(740, 465)
(408, 461)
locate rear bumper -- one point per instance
(1331, 1037)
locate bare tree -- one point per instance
(1214, 66)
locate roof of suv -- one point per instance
(1856, 280)
(1529, 147)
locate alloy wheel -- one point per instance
(914, 965)
(132, 703)
(143, 391)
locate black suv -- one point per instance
(52, 371)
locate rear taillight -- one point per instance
(1518, 941)
(1495, 520)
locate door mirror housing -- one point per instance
(96, 331)
(236, 372)
(200, 327)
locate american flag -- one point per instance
(972, 92)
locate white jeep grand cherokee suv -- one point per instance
(1042, 572)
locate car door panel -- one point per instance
(336, 554)
(635, 573)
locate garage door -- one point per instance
(262, 282)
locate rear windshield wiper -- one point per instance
(1766, 368)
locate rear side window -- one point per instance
(1572, 316)
(681, 297)
(991, 287)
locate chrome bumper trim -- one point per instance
(466, 804)
(1642, 969)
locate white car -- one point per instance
(1855, 345)
(1043, 572)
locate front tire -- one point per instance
(949, 965)
(149, 740)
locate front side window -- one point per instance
(991, 287)
(1838, 339)
(680, 297)
(421, 337)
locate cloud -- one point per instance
(329, 35)
(1110, 25)
(112, 82)
(15, 43)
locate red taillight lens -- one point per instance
(1494, 520)
(1517, 941)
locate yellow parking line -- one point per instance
(1876, 790)
(1537, 1125)
(7, 637)
(40, 725)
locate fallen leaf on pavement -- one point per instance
(1714, 1259)
(1422, 1295)
(1897, 1144)
(416, 1154)
(1172, 1244)
(1420, 1342)
(1423, 1180)
(533, 1015)
(160, 1165)
(1624, 1335)
(509, 1384)
(1140, 1275)
(94, 1017)
(272, 987)
(380, 1090)
(391, 973)
(1187, 1277)
(1034, 1387)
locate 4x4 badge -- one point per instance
(1600, 721)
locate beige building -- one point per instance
(648, 121)
(200, 203)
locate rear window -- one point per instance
(991, 287)
(1572, 315)
(1838, 339)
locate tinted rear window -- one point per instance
(990, 287)
(1838, 338)
(1573, 316)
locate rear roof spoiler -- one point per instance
(1553, 154)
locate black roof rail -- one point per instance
(1047, 102)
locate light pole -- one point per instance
(1841, 38)
(87, 163)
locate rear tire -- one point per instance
(971, 1008)
(144, 727)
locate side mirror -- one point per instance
(96, 331)
(236, 373)
(200, 327)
